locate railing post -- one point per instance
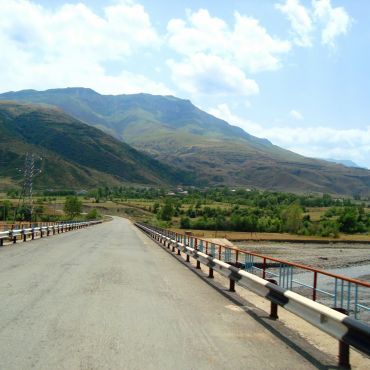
(344, 348)
(232, 285)
(273, 306)
(210, 273)
(314, 286)
(264, 268)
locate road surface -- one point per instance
(107, 297)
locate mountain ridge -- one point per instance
(177, 133)
(84, 155)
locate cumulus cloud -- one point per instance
(331, 21)
(69, 45)
(311, 141)
(336, 20)
(295, 114)
(224, 112)
(216, 58)
(300, 19)
(247, 44)
(209, 74)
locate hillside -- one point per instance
(178, 133)
(344, 162)
(74, 155)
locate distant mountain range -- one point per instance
(74, 155)
(177, 133)
(344, 162)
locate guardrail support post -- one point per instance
(314, 286)
(187, 258)
(232, 285)
(24, 237)
(274, 306)
(210, 273)
(198, 265)
(343, 357)
(1, 242)
(178, 251)
(33, 235)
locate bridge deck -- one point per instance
(108, 298)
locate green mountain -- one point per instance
(74, 155)
(178, 133)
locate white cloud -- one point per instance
(316, 142)
(295, 114)
(223, 111)
(300, 20)
(209, 74)
(69, 45)
(248, 44)
(336, 20)
(332, 21)
(215, 58)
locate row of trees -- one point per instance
(72, 209)
(290, 218)
(351, 220)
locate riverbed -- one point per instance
(351, 260)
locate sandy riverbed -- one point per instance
(327, 256)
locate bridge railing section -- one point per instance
(234, 263)
(5, 226)
(340, 292)
(29, 231)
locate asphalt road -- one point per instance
(107, 297)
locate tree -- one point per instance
(5, 208)
(166, 212)
(185, 223)
(292, 217)
(93, 214)
(72, 206)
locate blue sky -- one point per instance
(293, 71)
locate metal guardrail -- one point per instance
(334, 290)
(349, 331)
(43, 230)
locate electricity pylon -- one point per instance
(26, 196)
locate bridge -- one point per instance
(109, 297)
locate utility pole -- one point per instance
(26, 196)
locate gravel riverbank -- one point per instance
(326, 257)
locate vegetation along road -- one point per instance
(107, 297)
